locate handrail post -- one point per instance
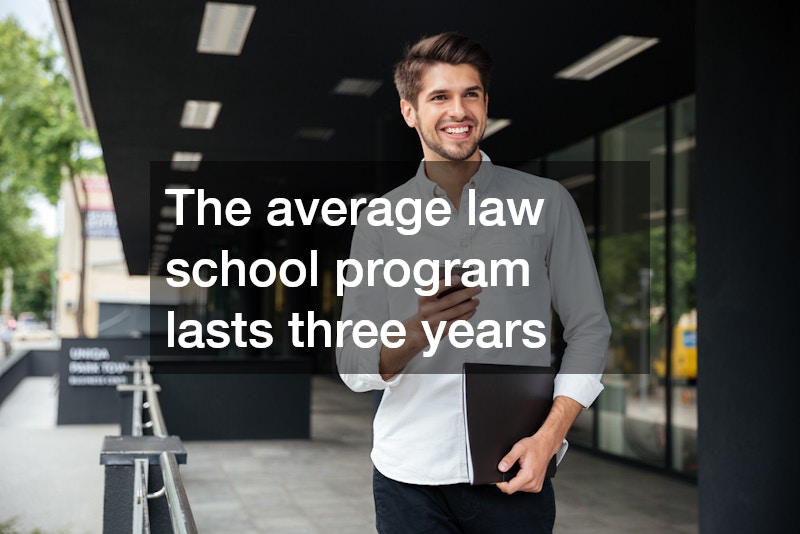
(141, 519)
(141, 470)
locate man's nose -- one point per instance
(457, 108)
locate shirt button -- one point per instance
(465, 243)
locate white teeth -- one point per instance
(462, 130)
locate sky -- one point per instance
(34, 15)
(36, 18)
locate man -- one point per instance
(419, 449)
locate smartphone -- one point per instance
(454, 271)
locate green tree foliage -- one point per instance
(622, 258)
(14, 214)
(33, 281)
(40, 140)
(40, 131)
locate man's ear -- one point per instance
(409, 114)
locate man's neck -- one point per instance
(452, 176)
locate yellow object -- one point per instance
(684, 349)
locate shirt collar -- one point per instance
(480, 181)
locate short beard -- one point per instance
(461, 155)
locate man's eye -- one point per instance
(439, 97)
(472, 94)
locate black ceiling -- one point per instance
(141, 65)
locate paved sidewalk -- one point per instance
(51, 478)
(324, 485)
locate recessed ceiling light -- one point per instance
(160, 247)
(186, 161)
(163, 238)
(357, 86)
(607, 56)
(315, 134)
(660, 214)
(224, 28)
(678, 146)
(178, 186)
(168, 212)
(166, 227)
(200, 114)
(495, 125)
(576, 181)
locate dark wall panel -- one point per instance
(747, 232)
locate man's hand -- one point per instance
(458, 305)
(534, 453)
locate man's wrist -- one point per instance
(550, 440)
(558, 422)
(392, 361)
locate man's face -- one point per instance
(450, 115)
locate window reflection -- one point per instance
(632, 411)
(643, 236)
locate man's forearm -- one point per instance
(458, 305)
(394, 360)
(534, 452)
(563, 413)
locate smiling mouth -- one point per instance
(457, 132)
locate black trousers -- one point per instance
(402, 508)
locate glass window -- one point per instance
(635, 225)
(631, 262)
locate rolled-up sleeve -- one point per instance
(578, 300)
(583, 388)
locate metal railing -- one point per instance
(177, 501)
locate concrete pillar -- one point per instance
(747, 266)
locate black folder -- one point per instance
(503, 404)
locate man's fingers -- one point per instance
(502, 486)
(440, 286)
(512, 456)
(515, 484)
(449, 307)
(530, 476)
(521, 478)
(458, 297)
(469, 313)
(464, 316)
(432, 288)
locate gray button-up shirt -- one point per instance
(419, 434)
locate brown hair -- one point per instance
(449, 47)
